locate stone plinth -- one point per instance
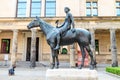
(71, 74)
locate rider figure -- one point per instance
(68, 18)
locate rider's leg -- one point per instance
(58, 42)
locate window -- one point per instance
(5, 46)
(21, 9)
(97, 46)
(50, 10)
(91, 9)
(118, 8)
(35, 8)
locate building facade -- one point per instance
(100, 17)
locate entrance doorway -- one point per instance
(28, 51)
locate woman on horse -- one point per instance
(69, 18)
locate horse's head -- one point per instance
(34, 23)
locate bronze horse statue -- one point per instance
(81, 36)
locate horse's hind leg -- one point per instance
(83, 57)
(57, 60)
(91, 56)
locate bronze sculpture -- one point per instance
(81, 36)
(66, 37)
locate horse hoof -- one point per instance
(57, 67)
(80, 67)
(52, 66)
(91, 67)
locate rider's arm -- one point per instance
(64, 21)
(62, 25)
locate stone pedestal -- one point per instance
(71, 74)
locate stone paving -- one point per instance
(38, 73)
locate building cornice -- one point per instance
(80, 22)
(84, 18)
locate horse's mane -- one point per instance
(46, 24)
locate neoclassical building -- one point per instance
(100, 17)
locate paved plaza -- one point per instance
(25, 73)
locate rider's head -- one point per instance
(66, 9)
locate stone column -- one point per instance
(113, 47)
(93, 41)
(24, 47)
(14, 48)
(33, 48)
(72, 55)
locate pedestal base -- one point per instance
(71, 74)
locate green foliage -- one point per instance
(114, 70)
(64, 51)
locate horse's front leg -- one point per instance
(52, 65)
(53, 59)
(52, 44)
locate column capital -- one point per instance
(111, 29)
(92, 29)
(15, 30)
(33, 29)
